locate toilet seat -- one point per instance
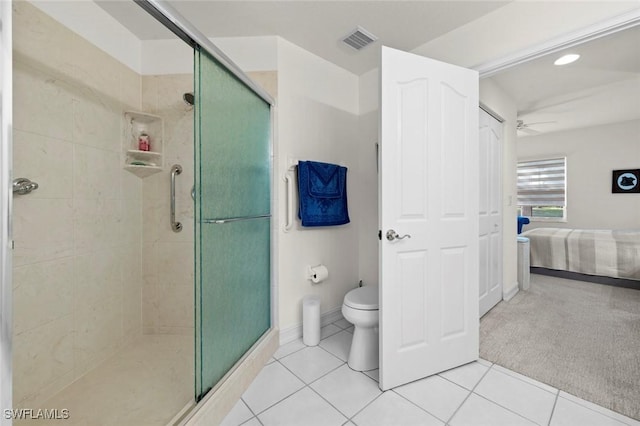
(363, 298)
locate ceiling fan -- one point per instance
(521, 126)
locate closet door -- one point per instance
(233, 131)
(490, 212)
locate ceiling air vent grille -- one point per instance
(359, 38)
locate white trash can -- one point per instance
(311, 320)
(523, 263)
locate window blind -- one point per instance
(542, 182)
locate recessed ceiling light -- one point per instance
(567, 59)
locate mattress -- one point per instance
(609, 253)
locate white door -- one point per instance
(490, 141)
(428, 192)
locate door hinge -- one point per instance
(380, 234)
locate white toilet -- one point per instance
(360, 308)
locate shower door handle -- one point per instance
(176, 169)
(23, 186)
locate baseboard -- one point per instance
(292, 333)
(506, 296)
(218, 403)
(597, 279)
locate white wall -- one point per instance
(317, 120)
(368, 242)
(592, 153)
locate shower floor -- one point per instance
(145, 384)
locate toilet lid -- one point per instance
(365, 298)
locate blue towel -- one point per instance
(322, 188)
(521, 222)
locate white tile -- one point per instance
(239, 414)
(374, 374)
(519, 396)
(253, 422)
(302, 408)
(526, 379)
(347, 390)
(42, 355)
(289, 348)
(392, 409)
(599, 409)
(467, 375)
(42, 292)
(570, 413)
(43, 96)
(94, 173)
(329, 330)
(43, 229)
(436, 395)
(350, 329)
(311, 363)
(273, 384)
(338, 344)
(343, 323)
(46, 161)
(477, 411)
(485, 362)
(270, 360)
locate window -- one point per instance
(542, 188)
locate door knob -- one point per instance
(393, 235)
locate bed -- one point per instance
(613, 255)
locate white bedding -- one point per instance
(609, 253)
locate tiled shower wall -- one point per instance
(167, 256)
(77, 264)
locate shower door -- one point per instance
(232, 214)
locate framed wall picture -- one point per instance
(626, 181)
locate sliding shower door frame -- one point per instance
(6, 286)
(172, 19)
(176, 23)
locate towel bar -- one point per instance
(292, 164)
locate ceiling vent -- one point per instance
(359, 38)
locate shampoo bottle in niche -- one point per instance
(144, 142)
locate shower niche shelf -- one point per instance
(143, 163)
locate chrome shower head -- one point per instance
(188, 98)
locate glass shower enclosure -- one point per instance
(232, 219)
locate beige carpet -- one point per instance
(579, 337)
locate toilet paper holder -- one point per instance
(317, 273)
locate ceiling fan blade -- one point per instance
(539, 122)
(528, 131)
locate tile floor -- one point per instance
(306, 386)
